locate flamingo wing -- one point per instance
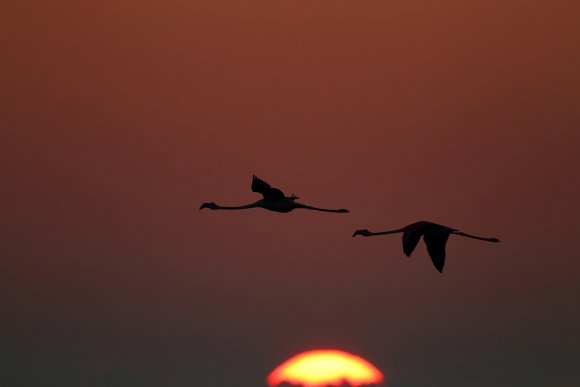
(436, 239)
(410, 240)
(269, 193)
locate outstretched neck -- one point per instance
(476, 237)
(388, 232)
(251, 205)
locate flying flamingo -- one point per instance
(434, 235)
(274, 200)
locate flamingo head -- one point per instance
(364, 232)
(211, 206)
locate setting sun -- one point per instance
(325, 367)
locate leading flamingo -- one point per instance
(274, 200)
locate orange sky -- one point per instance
(119, 118)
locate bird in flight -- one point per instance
(274, 200)
(434, 235)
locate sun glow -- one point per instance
(325, 367)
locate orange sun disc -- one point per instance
(325, 367)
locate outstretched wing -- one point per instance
(410, 240)
(269, 193)
(436, 239)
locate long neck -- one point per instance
(251, 205)
(388, 232)
(476, 237)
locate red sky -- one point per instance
(119, 118)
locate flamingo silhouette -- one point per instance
(274, 200)
(434, 235)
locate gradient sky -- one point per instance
(119, 118)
